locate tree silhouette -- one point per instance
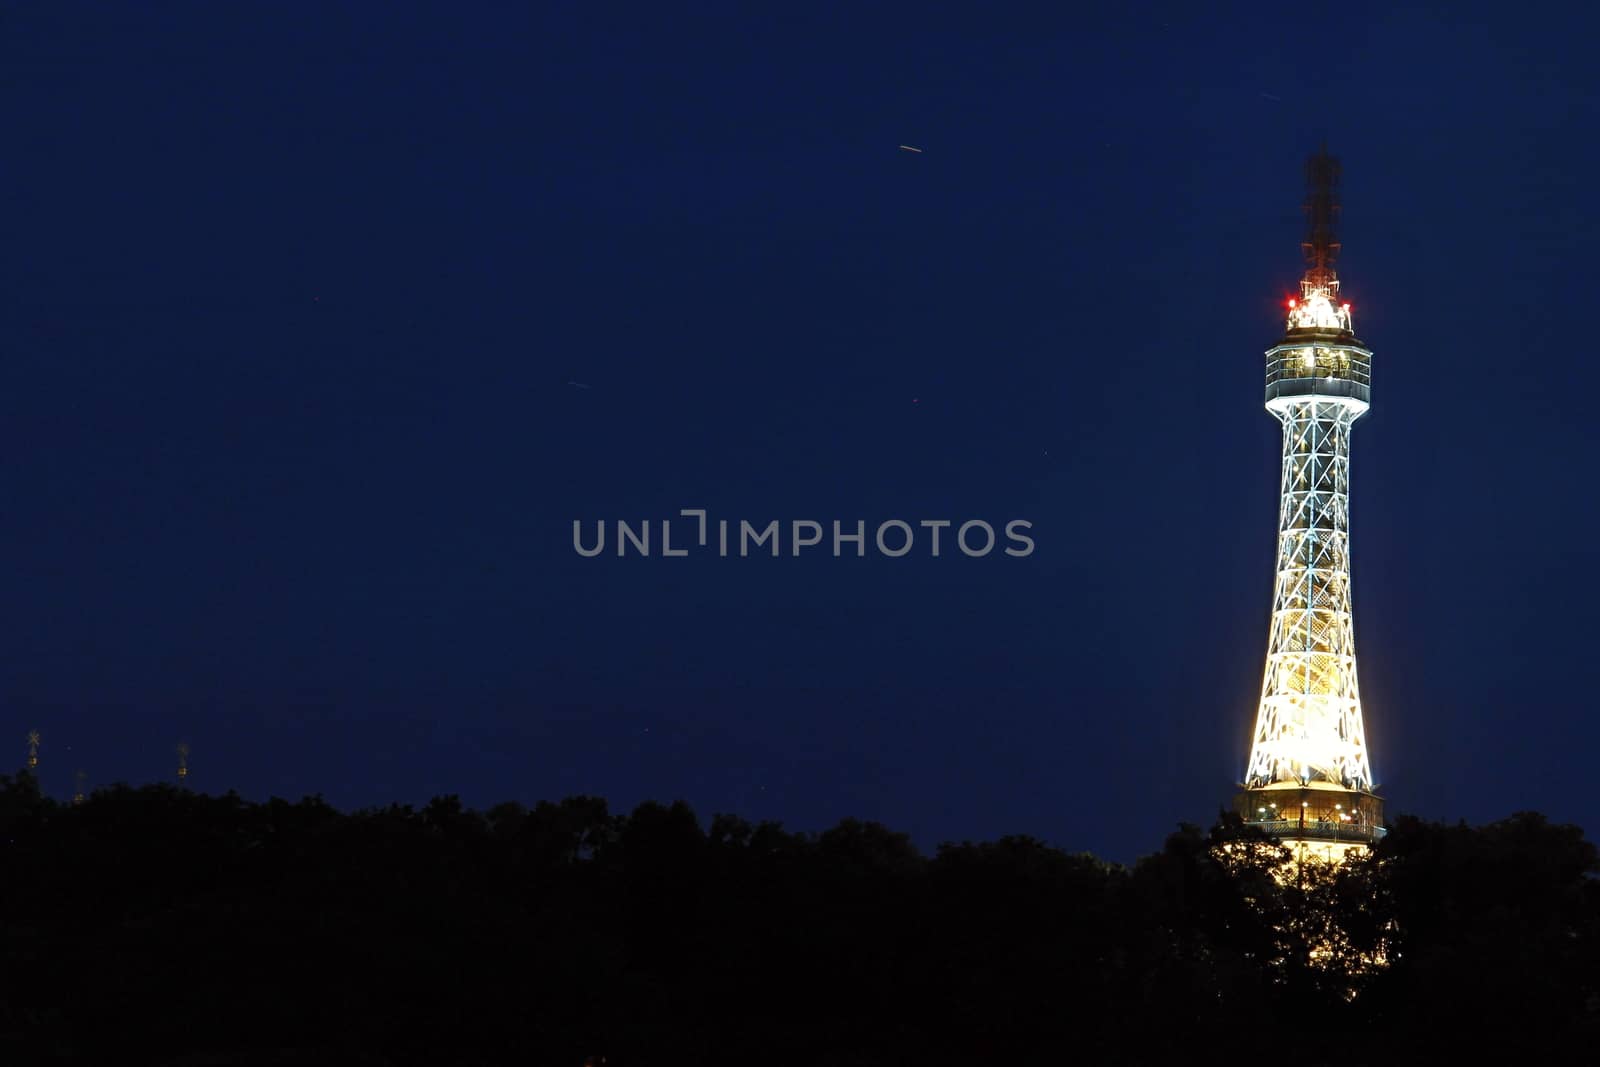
(162, 926)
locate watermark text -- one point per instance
(694, 531)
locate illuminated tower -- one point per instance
(33, 750)
(183, 763)
(1309, 781)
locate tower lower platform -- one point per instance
(1318, 820)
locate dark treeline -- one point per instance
(159, 926)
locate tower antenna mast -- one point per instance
(1321, 246)
(1319, 306)
(33, 749)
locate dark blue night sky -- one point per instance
(292, 296)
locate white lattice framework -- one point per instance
(1308, 726)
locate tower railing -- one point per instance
(1319, 829)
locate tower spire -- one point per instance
(1319, 305)
(1321, 246)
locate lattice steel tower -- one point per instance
(1309, 780)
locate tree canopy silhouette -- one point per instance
(165, 927)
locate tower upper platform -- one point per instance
(1318, 362)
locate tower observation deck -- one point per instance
(1309, 779)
